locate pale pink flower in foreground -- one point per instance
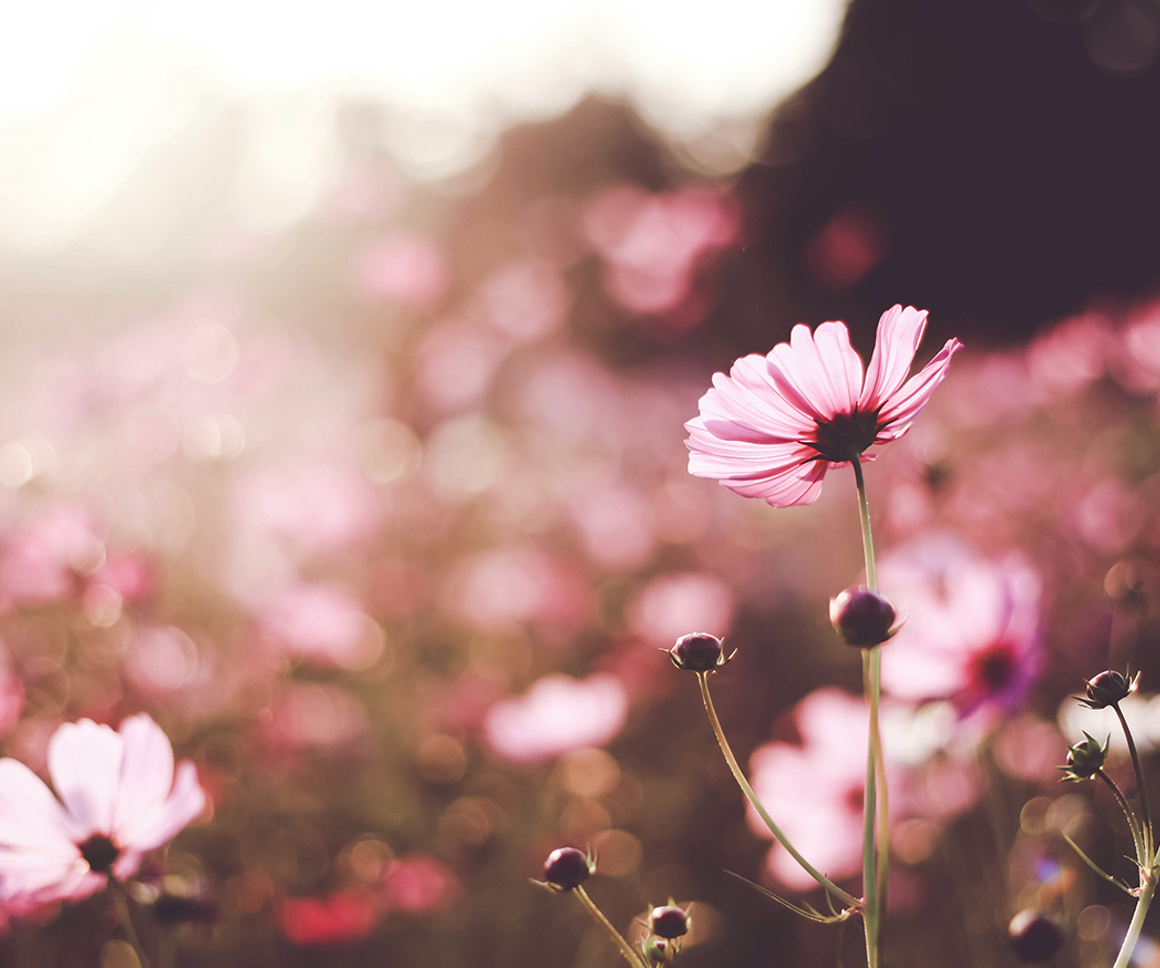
(557, 715)
(777, 423)
(120, 798)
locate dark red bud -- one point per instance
(862, 618)
(1035, 935)
(698, 652)
(566, 868)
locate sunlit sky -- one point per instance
(90, 88)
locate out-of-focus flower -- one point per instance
(972, 629)
(558, 714)
(776, 424)
(408, 269)
(44, 560)
(121, 799)
(815, 790)
(322, 622)
(1035, 935)
(669, 605)
(333, 919)
(418, 884)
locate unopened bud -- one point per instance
(1085, 759)
(1035, 936)
(862, 618)
(1108, 688)
(698, 652)
(567, 867)
(669, 921)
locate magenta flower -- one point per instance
(776, 424)
(120, 798)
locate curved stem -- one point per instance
(739, 776)
(1142, 902)
(1146, 859)
(624, 947)
(1137, 838)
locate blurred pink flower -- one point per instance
(333, 919)
(671, 605)
(418, 884)
(44, 560)
(776, 424)
(558, 714)
(322, 622)
(121, 798)
(972, 626)
(409, 269)
(814, 791)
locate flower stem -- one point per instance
(1137, 837)
(1146, 858)
(845, 897)
(876, 824)
(1147, 889)
(121, 902)
(624, 947)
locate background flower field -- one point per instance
(384, 515)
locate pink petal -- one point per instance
(899, 333)
(899, 411)
(164, 820)
(818, 378)
(46, 875)
(30, 816)
(146, 775)
(84, 761)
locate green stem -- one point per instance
(1137, 837)
(1147, 889)
(876, 822)
(1147, 858)
(845, 897)
(624, 947)
(121, 902)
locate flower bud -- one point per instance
(861, 617)
(669, 921)
(698, 652)
(1085, 759)
(567, 867)
(1035, 936)
(659, 951)
(1108, 688)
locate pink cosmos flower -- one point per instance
(776, 424)
(119, 799)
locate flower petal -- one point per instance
(164, 820)
(146, 775)
(899, 333)
(899, 411)
(30, 816)
(84, 761)
(818, 373)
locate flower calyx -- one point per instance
(567, 868)
(699, 652)
(863, 618)
(1085, 759)
(1109, 688)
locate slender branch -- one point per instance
(1142, 902)
(624, 947)
(1137, 838)
(845, 897)
(1147, 858)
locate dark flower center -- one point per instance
(845, 436)
(994, 668)
(99, 853)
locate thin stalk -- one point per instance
(121, 902)
(1146, 891)
(1137, 837)
(624, 947)
(845, 897)
(1149, 845)
(876, 816)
